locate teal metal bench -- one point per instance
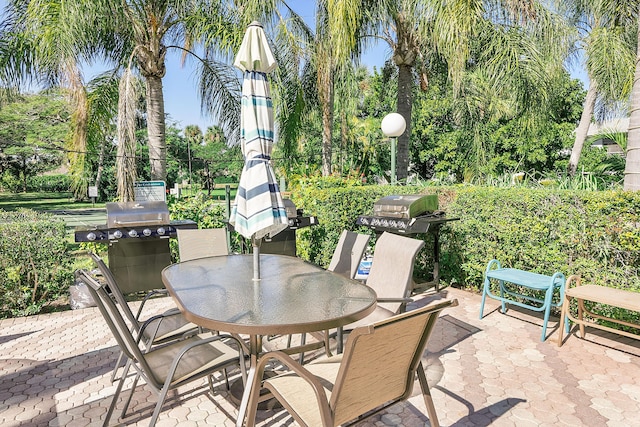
(535, 281)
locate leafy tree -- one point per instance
(33, 131)
(423, 32)
(216, 160)
(510, 142)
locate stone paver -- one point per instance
(55, 370)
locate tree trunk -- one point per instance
(343, 138)
(100, 164)
(583, 127)
(405, 104)
(632, 167)
(156, 128)
(325, 94)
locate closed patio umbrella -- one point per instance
(258, 209)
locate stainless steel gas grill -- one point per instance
(138, 237)
(284, 243)
(410, 215)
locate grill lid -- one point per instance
(131, 214)
(406, 205)
(290, 208)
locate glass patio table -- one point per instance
(292, 296)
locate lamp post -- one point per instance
(393, 125)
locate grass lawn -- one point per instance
(43, 202)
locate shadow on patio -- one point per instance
(55, 369)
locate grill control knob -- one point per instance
(117, 234)
(91, 237)
(146, 232)
(161, 231)
(133, 233)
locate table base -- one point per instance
(236, 389)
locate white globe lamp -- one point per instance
(393, 125)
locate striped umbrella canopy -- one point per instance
(258, 209)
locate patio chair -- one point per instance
(377, 370)
(391, 276)
(345, 261)
(348, 253)
(164, 367)
(201, 243)
(170, 329)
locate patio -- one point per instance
(55, 371)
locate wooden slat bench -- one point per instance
(620, 298)
(535, 281)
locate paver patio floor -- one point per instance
(55, 371)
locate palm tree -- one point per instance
(46, 54)
(148, 28)
(607, 47)
(325, 69)
(632, 167)
(54, 36)
(193, 134)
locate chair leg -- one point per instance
(115, 398)
(158, 408)
(303, 341)
(327, 350)
(485, 286)
(115, 368)
(128, 401)
(428, 400)
(564, 321)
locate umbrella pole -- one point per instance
(256, 257)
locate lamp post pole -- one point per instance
(393, 125)
(394, 141)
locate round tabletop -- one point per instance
(292, 296)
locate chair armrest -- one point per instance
(157, 321)
(152, 294)
(187, 348)
(303, 348)
(298, 369)
(404, 300)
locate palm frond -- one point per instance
(220, 94)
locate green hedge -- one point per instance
(35, 266)
(593, 234)
(49, 183)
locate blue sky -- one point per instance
(180, 83)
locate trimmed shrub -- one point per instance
(35, 267)
(49, 183)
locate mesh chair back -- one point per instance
(114, 289)
(382, 359)
(202, 243)
(348, 254)
(114, 320)
(391, 274)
